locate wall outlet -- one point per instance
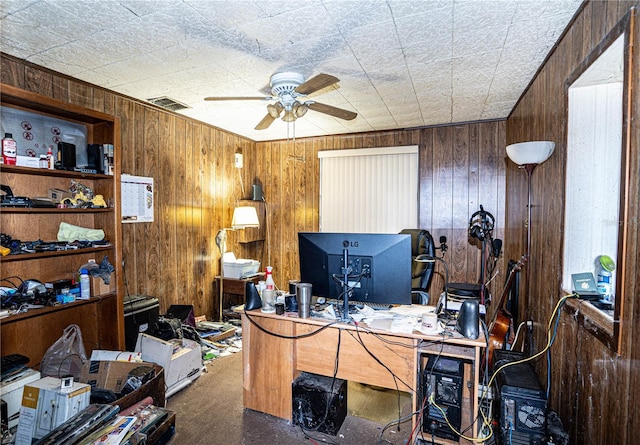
(238, 160)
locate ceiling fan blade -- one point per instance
(317, 83)
(239, 98)
(332, 111)
(265, 122)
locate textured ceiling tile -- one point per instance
(104, 14)
(355, 14)
(283, 28)
(227, 14)
(400, 62)
(11, 6)
(480, 26)
(147, 66)
(435, 8)
(56, 60)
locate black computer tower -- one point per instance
(319, 403)
(140, 313)
(442, 385)
(520, 401)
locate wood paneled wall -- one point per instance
(175, 258)
(460, 167)
(595, 390)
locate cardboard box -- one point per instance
(112, 375)
(28, 161)
(180, 358)
(11, 393)
(46, 405)
(98, 287)
(59, 194)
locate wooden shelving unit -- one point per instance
(101, 318)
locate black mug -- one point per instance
(290, 303)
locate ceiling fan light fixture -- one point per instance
(300, 109)
(289, 116)
(275, 109)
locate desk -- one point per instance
(272, 363)
(233, 289)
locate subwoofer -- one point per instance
(319, 403)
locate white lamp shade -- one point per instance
(534, 152)
(244, 217)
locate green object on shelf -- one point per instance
(607, 263)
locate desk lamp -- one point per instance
(243, 217)
(527, 155)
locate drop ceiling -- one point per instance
(401, 63)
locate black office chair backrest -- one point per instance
(421, 243)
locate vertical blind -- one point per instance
(373, 190)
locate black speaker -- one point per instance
(319, 403)
(252, 297)
(67, 156)
(468, 319)
(95, 154)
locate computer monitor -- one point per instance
(379, 266)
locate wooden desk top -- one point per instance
(450, 337)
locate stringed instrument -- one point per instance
(501, 323)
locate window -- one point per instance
(369, 190)
(597, 175)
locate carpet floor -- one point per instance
(210, 411)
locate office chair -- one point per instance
(421, 273)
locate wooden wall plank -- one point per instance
(165, 198)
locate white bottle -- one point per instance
(269, 278)
(50, 160)
(85, 285)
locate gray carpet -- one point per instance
(210, 412)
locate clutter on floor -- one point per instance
(113, 397)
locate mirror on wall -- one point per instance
(595, 181)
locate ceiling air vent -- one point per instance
(168, 103)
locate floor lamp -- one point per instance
(243, 217)
(528, 155)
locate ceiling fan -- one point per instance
(289, 89)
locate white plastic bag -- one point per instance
(66, 356)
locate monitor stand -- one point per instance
(346, 290)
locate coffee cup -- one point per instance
(429, 322)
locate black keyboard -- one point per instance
(359, 304)
(378, 306)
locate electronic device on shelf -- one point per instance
(377, 266)
(9, 200)
(91, 171)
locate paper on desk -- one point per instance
(380, 323)
(393, 323)
(412, 309)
